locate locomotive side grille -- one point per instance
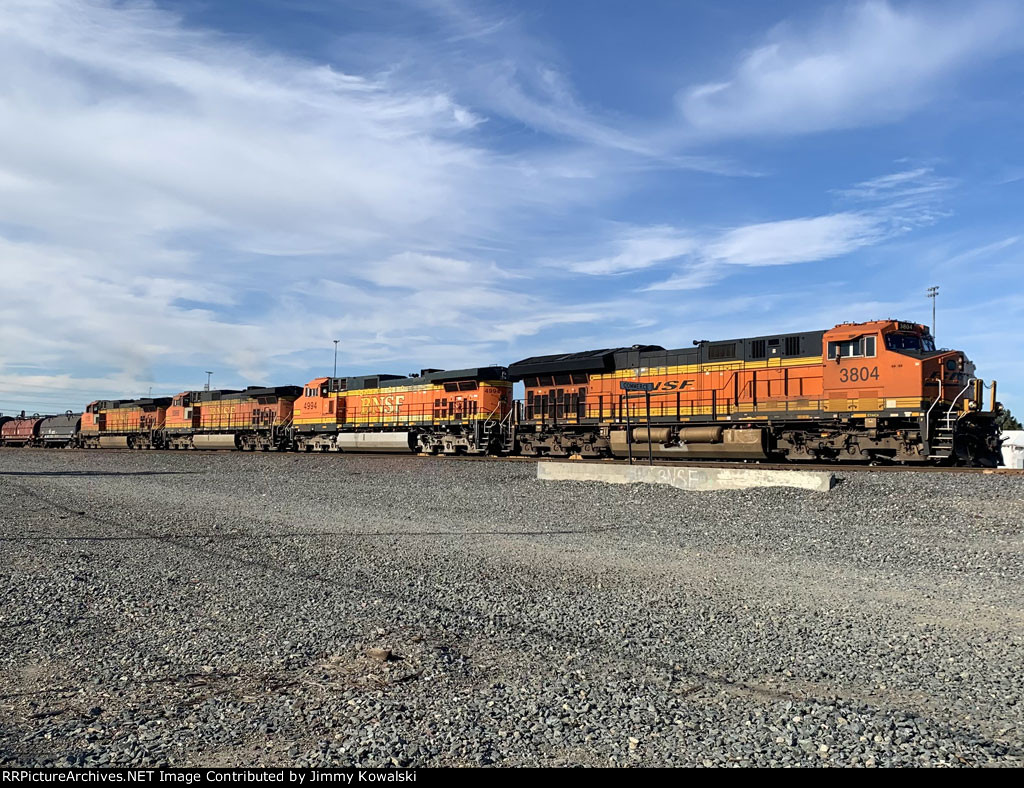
(722, 351)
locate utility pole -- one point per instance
(336, 357)
(933, 293)
(208, 376)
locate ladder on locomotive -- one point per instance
(505, 425)
(941, 445)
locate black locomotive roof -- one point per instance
(444, 375)
(264, 392)
(596, 361)
(363, 382)
(426, 376)
(212, 396)
(803, 343)
(147, 402)
(250, 392)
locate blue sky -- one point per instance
(225, 186)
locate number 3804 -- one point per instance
(857, 374)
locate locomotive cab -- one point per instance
(92, 419)
(891, 371)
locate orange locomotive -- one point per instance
(860, 391)
(124, 424)
(256, 418)
(465, 411)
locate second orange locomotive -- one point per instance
(463, 411)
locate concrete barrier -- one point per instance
(697, 479)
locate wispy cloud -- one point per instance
(887, 206)
(795, 240)
(638, 248)
(917, 185)
(784, 242)
(871, 63)
(767, 243)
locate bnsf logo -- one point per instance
(669, 385)
(672, 385)
(384, 404)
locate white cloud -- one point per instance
(701, 259)
(427, 272)
(870, 63)
(919, 186)
(117, 115)
(638, 248)
(795, 240)
(694, 277)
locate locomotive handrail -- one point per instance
(488, 420)
(928, 414)
(957, 397)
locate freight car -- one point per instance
(859, 391)
(40, 431)
(463, 411)
(60, 431)
(20, 430)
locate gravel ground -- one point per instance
(224, 609)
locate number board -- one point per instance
(857, 374)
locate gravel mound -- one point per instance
(221, 609)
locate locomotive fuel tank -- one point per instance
(716, 443)
(215, 441)
(394, 442)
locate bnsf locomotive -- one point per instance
(877, 391)
(859, 391)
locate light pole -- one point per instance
(208, 376)
(336, 358)
(933, 293)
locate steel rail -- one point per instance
(861, 467)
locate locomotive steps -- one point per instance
(694, 479)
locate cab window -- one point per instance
(903, 342)
(861, 347)
(912, 342)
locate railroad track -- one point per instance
(835, 466)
